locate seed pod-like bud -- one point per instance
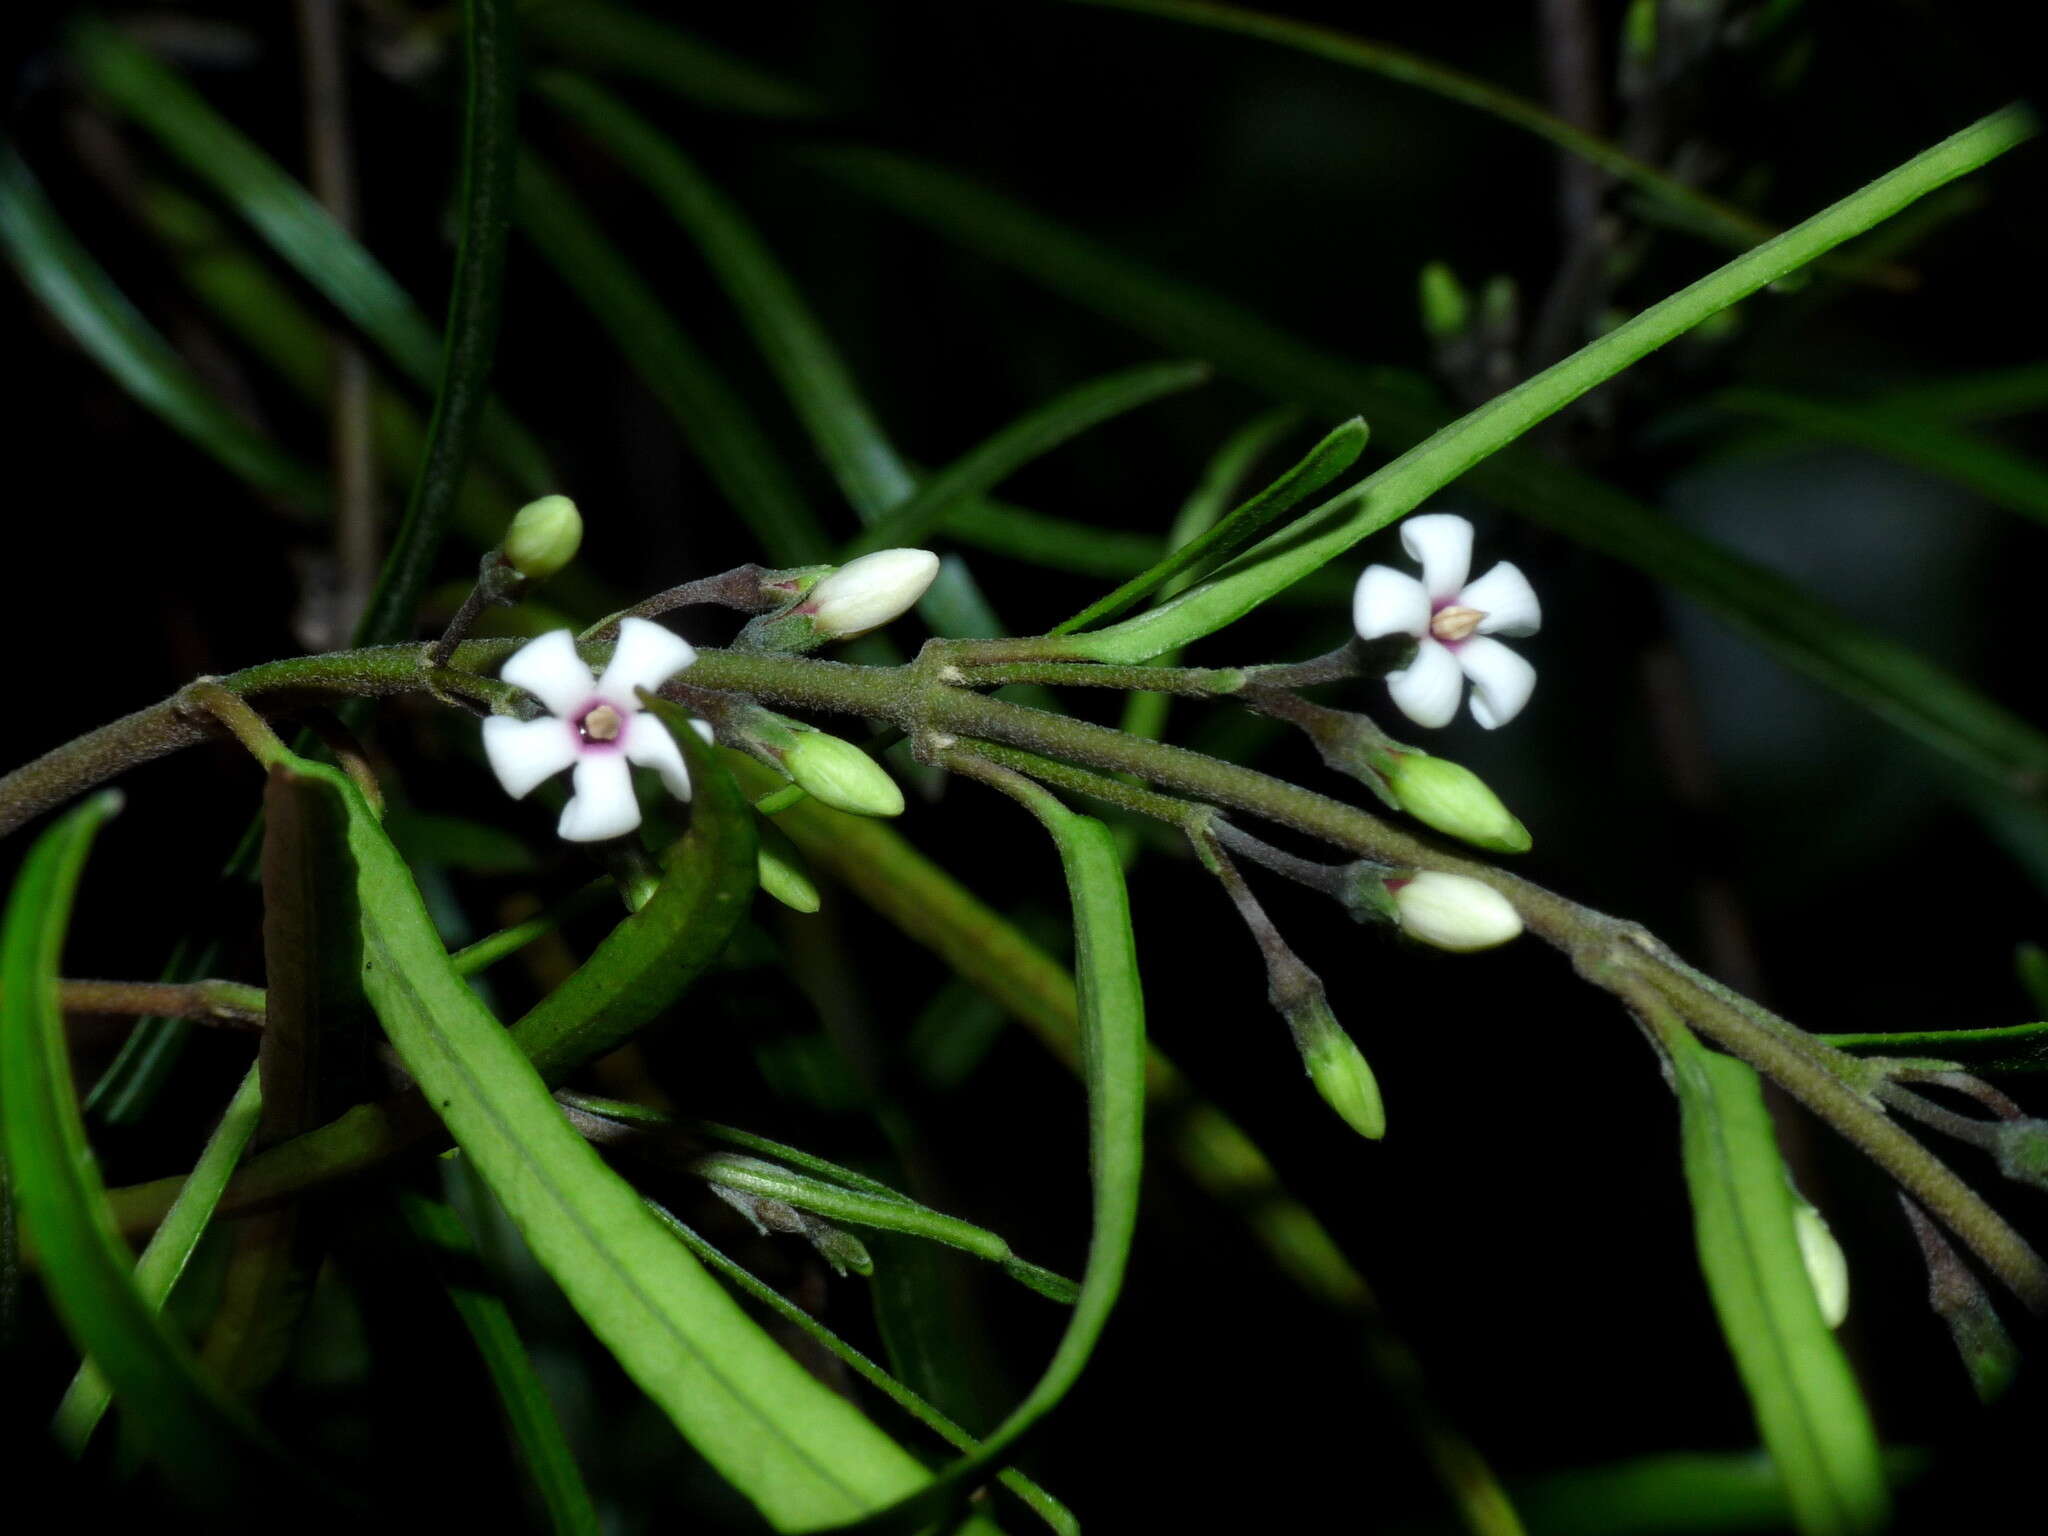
(868, 592)
(544, 537)
(1826, 1266)
(1337, 1067)
(1453, 799)
(837, 773)
(1453, 912)
(783, 872)
(1446, 307)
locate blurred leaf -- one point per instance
(203, 1443)
(288, 217)
(85, 301)
(1329, 458)
(1896, 684)
(799, 1451)
(1990, 470)
(601, 35)
(795, 346)
(2021, 390)
(1054, 1513)
(1112, 1014)
(1807, 1405)
(536, 1432)
(743, 462)
(459, 842)
(1675, 1495)
(982, 468)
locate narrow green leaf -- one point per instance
(1990, 470)
(800, 1452)
(288, 217)
(1112, 1013)
(982, 468)
(78, 291)
(742, 460)
(1896, 684)
(1325, 462)
(1686, 1493)
(803, 359)
(170, 1249)
(2021, 390)
(1808, 1409)
(489, 145)
(600, 35)
(2007, 1048)
(536, 1431)
(1054, 1513)
(203, 1443)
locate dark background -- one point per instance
(1524, 1222)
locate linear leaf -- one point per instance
(78, 291)
(203, 1442)
(598, 34)
(1893, 682)
(985, 466)
(2008, 1048)
(288, 217)
(1808, 1409)
(800, 1452)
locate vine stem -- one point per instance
(924, 700)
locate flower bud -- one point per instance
(1453, 912)
(837, 773)
(782, 870)
(1826, 1265)
(1339, 1071)
(544, 537)
(1446, 308)
(868, 592)
(1453, 799)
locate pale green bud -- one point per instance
(1453, 912)
(839, 774)
(1340, 1072)
(1453, 799)
(783, 872)
(544, 537)
(1446, 307)
(866, 593)
(1826, 1265)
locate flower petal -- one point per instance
(1427, 689)
(603, 805)
(1504, 595)
(1388, 602)
(1442, 541)
(1501, 680)
(649, 744)
(524, 752)
(550, 670)
(647, 656)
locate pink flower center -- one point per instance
(601, 725)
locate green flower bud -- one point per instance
(544, 537)
(1453, 799)
(783, 872)
(1453, 912)
(1446, 308)
(1826, 1266)
(839, 774)
(1341, 1074)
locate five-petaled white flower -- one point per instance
(593, 725)
(1453, 623)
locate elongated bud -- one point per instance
(544, 537)
(867, 593)
(837, 773)
(783, 872)
(1446, 307)
(1336, 1066)
(1453, 912)
(836, 1246)
(1826, 1265)
(1453, 799)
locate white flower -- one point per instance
(1453, 912)
(1453, 622)
(594, 725)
